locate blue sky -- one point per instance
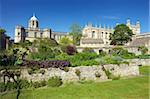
(60, 14)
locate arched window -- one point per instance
(32, 23)
(93, 34)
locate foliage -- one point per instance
(78, 73)
(143, 49)
(88, 50)
(55, 81)
(38, 84)
(71, 50)
(65, 41)
(44, 49)
(76, 33)
(47, 64)
(144, 56)
(121, 35)
(84, 59)
(119, 51)
(66, 69)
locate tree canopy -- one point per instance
(121, 35)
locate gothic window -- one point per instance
(37, 25)
(93, 34)
(102, 34)
(35, 34)
(106, 35)
(18, 33)
(41, 35)
(33, 23)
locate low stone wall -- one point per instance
(139, 61)
(87, 73)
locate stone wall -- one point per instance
(87, 73)
(139, 61)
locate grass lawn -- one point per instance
(132, 88)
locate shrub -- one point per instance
(71, 50)
(88, 50)
(66, 69)
(55, 81)
(47, 64)
(24, 84)
(144, 56)
(36, 84)
(108, 74)
(2, 87)
(78, 73)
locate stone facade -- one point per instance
(95, 36)
(33, 32)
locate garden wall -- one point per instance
(139, 61)
(86, 73)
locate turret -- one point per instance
(33, 22)
(128, 22)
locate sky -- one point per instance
(59, 15)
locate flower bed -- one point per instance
(47, 64)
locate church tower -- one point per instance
(33, 22)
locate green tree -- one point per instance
(2, 32)
(76, 33)
(121, 35)
(65, 41)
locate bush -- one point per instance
(38, 84)
(47, 64)
(55, 81)
(144, 56)
(2, 87)
(24, 84)
(78, 73)
(71, 50)
(88, 50)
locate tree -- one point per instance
(76, 33)
(65, 41)
(121, 35)
(2, 32)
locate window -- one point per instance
(93, 34)
(106, 35)
(33, 23)
(35, 34)
(27, 34)
(18, 33)
(41, 35)
(102, 34)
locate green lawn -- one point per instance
(132, 88)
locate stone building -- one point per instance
(33, 31)
(94, 36)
